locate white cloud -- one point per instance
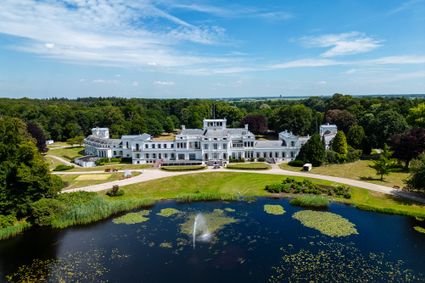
(102, 81)
(164, 83)
(342, 44)
(106, 32)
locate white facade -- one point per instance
(214, 142)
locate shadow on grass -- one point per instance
(369, 178)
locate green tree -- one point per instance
(356, 136)
(384, 163)
(24, 175)
(313, 151)
(416, 116)
(388, 123)
(339, 144)
(295, 118)
(416, 181)
(75, 140)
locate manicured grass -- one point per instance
(310, 201)
(118, 166)
(57, 144)
(76, 181)
(358, 170)
(249, 166)
(67, 153)
(53, 163)
(183, 168)
(233, 185)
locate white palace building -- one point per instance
(215, 142)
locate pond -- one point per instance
(266, 240)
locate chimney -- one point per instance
(246, 126)
(183, 127)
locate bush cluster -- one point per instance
(261, 159)
(63, 167)
(296, 163)
(183, 168)
(115, 191)
(7, 220)
(291, 186)
(236, 160)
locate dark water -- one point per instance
(250, 250)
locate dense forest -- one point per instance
(378, 117)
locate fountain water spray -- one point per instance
(200, 227)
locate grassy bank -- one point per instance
(234, 185)
(358, 170)
(11, 231)
(249, 166)
(69, 153)
(178, 168)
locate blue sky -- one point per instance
(203, 49)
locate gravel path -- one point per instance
(64, 161)
(153, 174)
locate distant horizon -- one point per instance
(389, 95)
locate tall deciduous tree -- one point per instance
(313, 151)
(342, 118)
(408, 145)
(37, 132)
(24, 175)
(356, 136)
(296, 118)
(257, 123)
(416, 180)
(416, 115)
(389, 123)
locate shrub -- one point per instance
(115, 191)
(261, 159)
(45, 209)
(249, 166)
(183, 168)
(296, 163)
(291, 186)
(63, 167)
(310, 201)
(236, 160)
(7, 220)
(353, 154)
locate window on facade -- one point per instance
(276, 154)
(147, 155)
(137, 155)
(172, 145)
(224, 145)
(181, 156)
(159, 145)
(172, 156)
(153, 145)
(292, 143)
(153, 155)
(258, 155)
(205, 146)
(165, 145)
(165, 155)
(292, 154)
(215, 146)
(283, 154)
(146, 146)
(159, 155)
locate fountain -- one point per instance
(200, 228)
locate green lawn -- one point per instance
(67, 153)
(249, 166)
(358, 170)
(57, 144)
(119, 166)
(76, 181)
(250, 185)
(52, 162)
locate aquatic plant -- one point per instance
(166, 245)
(132, 218)
(167, 212)
(215, 221)
(337, 262)
(274, 209)
(419, 229)
(72, 267)
(327, 223)
(310, 201)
